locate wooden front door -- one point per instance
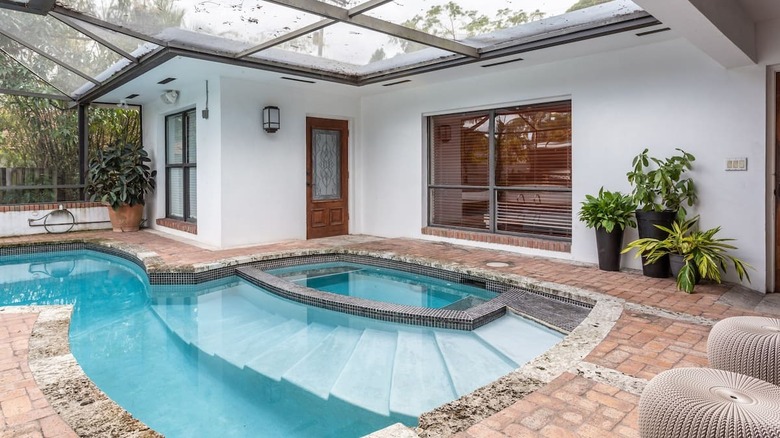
(327, 211)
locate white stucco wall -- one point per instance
(264, 175)
(209, 155)
(661, 96)
(16, 223)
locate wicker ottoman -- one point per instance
(708, 403)
(747, 345)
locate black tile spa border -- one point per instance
(70, 246)
(543, 305)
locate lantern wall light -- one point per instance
(271, 119)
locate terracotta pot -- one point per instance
(126, 217)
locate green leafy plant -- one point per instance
(119, 174)
(607, 210)
(664, 187)
(701, 251)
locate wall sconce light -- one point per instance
(271, 119)
(170, 97)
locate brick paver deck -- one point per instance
(662, 328)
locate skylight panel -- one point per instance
(127, 43)
(54, 38)
(56, 75)
(351, 45)
(17, 77)
(462, 19)
(248, 22)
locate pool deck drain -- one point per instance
(659, 328)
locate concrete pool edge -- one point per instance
(67, 389)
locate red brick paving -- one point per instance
(640, 345)
(24, 412)
(569, 406)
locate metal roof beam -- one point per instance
(70, 22)
(106, 25)
(32, 94)
(40, 7)
(375, 24)
(49, 57)
(366, 6)
(41, 78)
(286, 37)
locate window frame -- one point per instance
(492, 187)
(185, 166)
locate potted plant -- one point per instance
(694, 254)
(120, 177)
(609, 214)
(661, 190)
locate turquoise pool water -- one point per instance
(388, 285)
(228, 359)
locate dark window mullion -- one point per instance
(492, 171)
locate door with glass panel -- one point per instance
(326, 178)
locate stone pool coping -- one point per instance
(91, 413)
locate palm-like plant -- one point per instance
(703, 254)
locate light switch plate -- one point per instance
(736, 163)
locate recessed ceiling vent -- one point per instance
(132, 96)
(166, 80)
(501, 62)
(298, 80)
(396, 83)
(650, 32)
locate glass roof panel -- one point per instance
(59, 77)
(129, 44)
(14, 76)
(248, 21)
(351, 45)
(54, 38)
(461, 19)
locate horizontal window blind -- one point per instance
(528, 188)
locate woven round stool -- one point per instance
(708, 403)
(747, 345)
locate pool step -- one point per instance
(470, 362)
(228, 336)
(318, 371)
(244, 350)
(421, 380)
(366, 378)
(516, 338)
(275, 361)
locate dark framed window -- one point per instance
(504, 171)
(181, 175)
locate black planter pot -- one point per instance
(676, 263)
(646, 225)
(609, 246)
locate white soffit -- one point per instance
(720, 28)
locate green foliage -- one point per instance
(664, 187)
(702, 252)
(119, 174)
(582, 4)
(452, 21)
(607, 210)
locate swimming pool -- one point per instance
(226, 358)
(386, 285)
